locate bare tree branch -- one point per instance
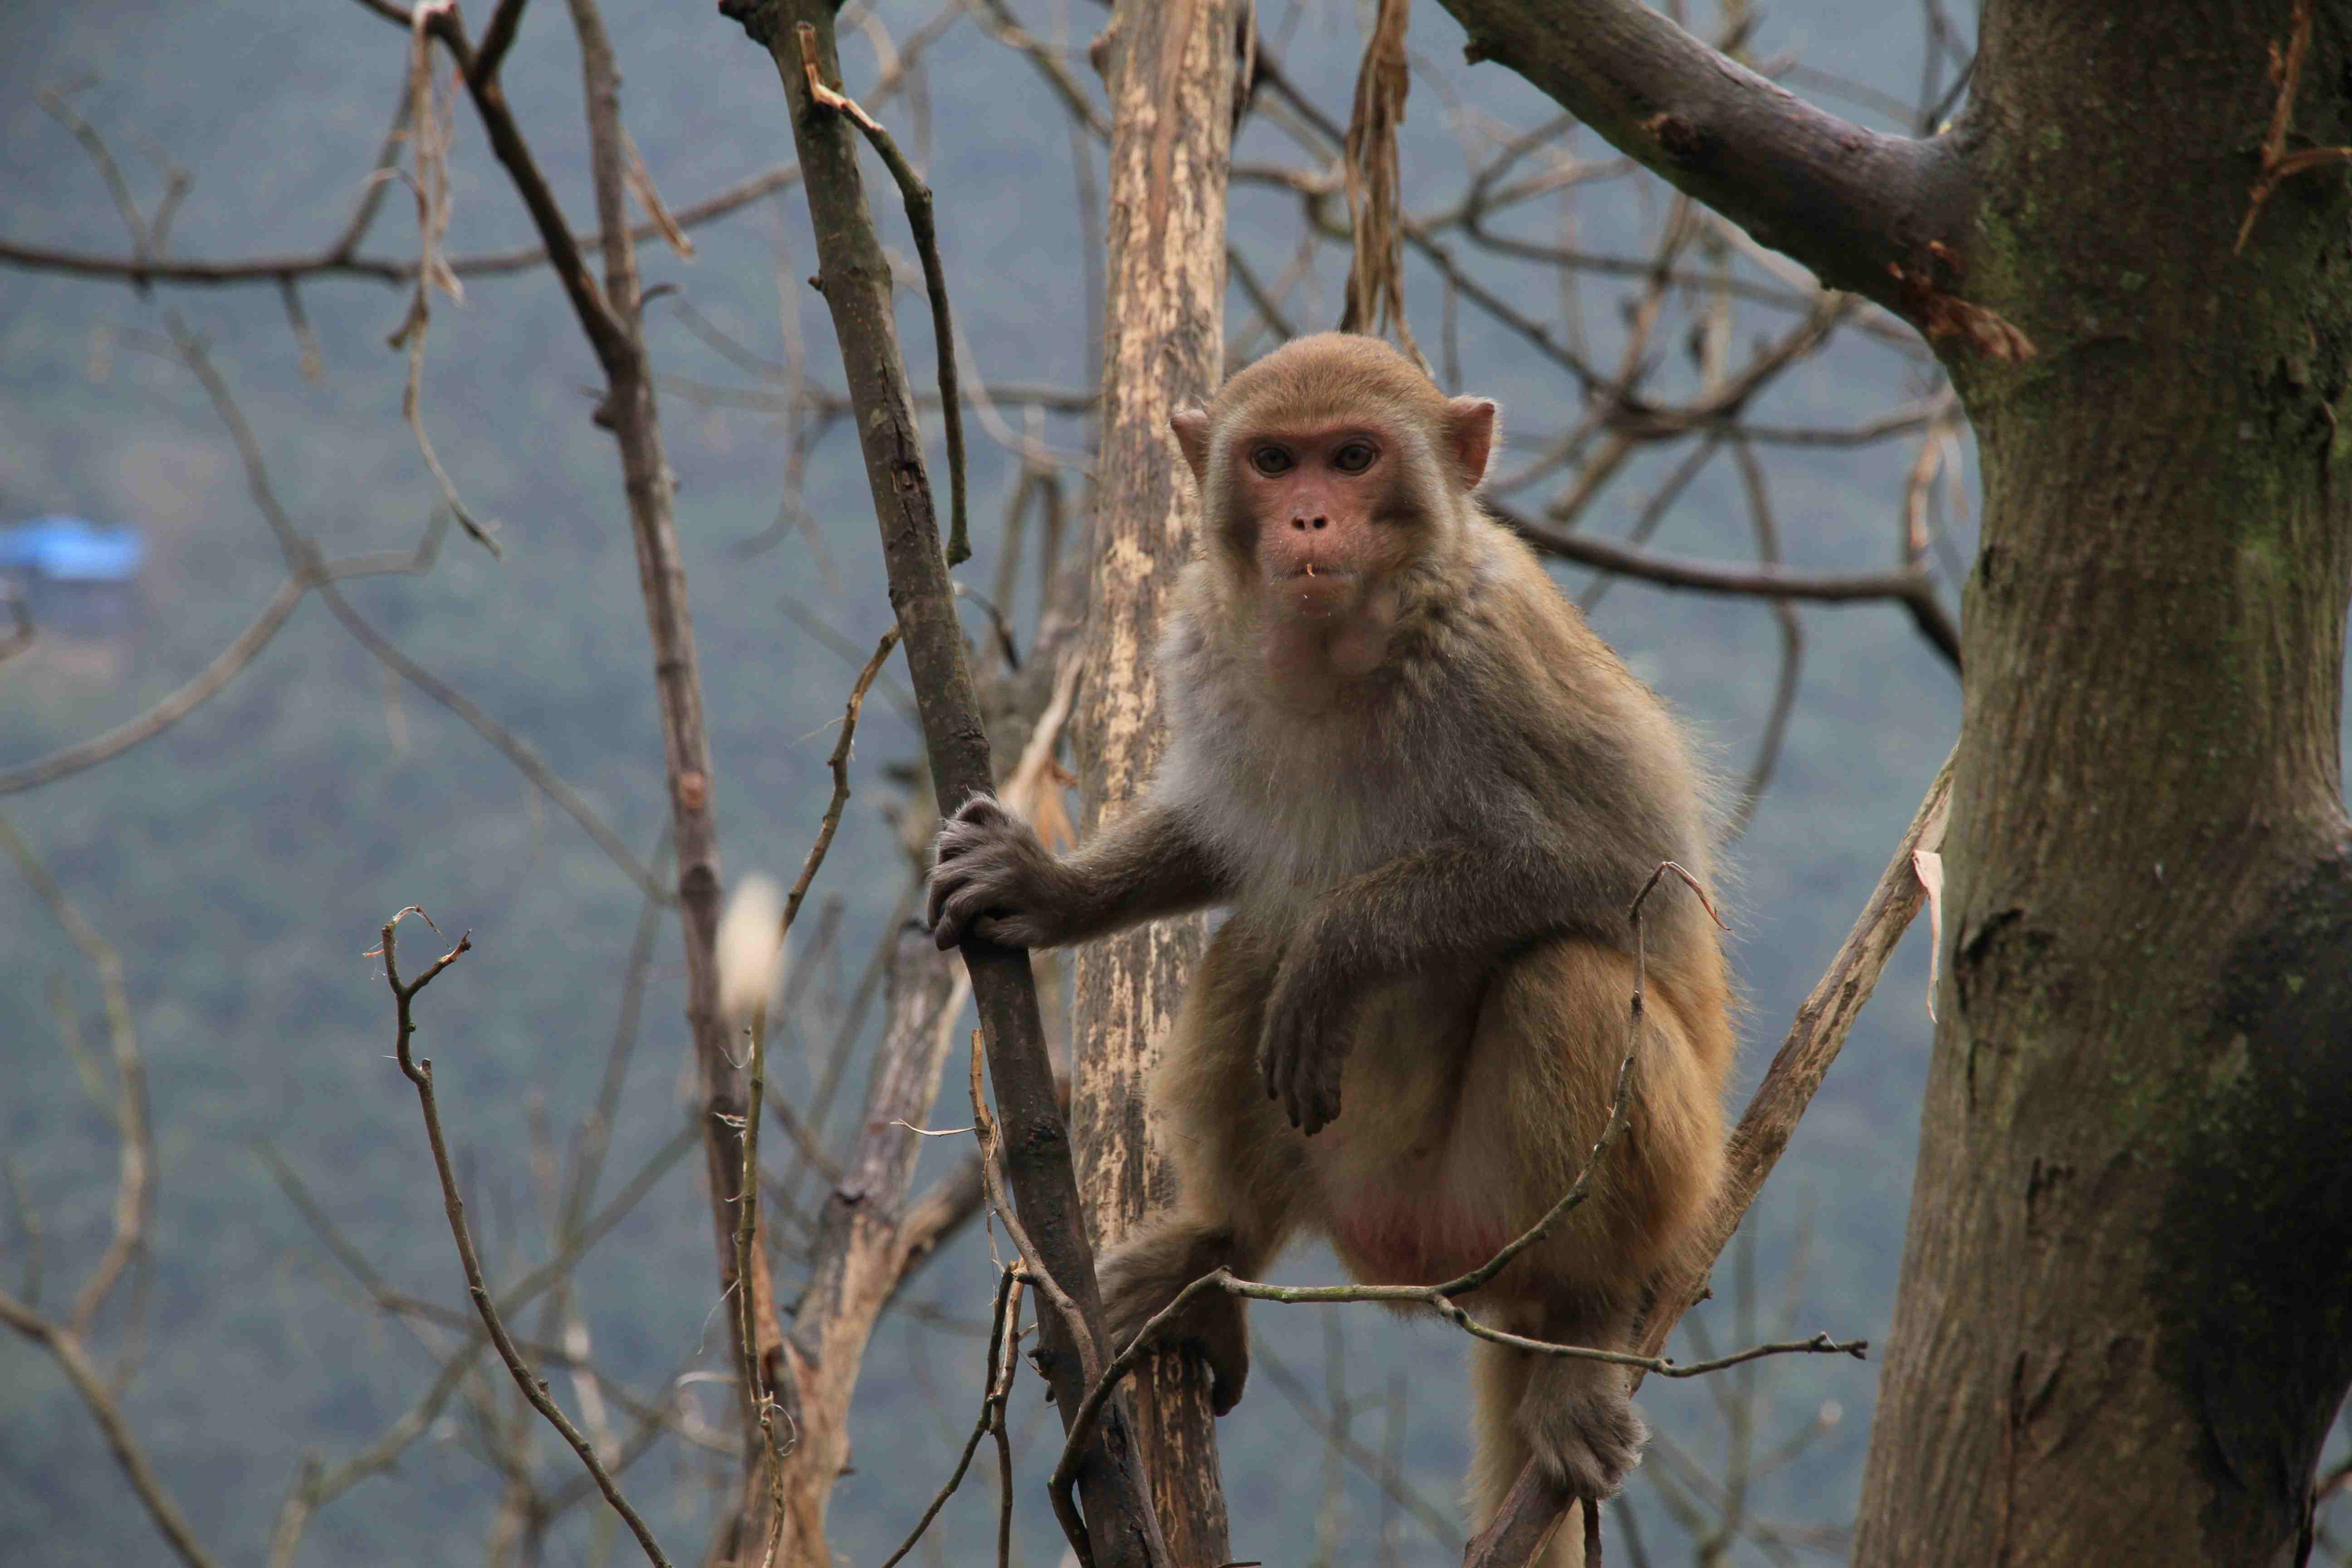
(1847, 202)
(66, 1348)
(1914, 591)
(301, 559)
(419, 1072)
(918, 198)
(1814, 1038)
(134, 1198)
(863, 1246)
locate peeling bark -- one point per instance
(1171, 77)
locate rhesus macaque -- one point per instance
(1427, 794)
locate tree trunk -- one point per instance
(2126, 1316)
(1170, 76)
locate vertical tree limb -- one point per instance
(418, 1070)
(610, 317)
(855, 277)
(1171, 77)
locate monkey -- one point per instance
(1425, 793)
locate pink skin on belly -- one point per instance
(1389, 1238)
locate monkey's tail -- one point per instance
(1498, 1381)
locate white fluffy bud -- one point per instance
(750, 949)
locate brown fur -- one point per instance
(1427, 792)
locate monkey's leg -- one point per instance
(1536, 1093)
(1577, 1415)
(1240, 1172)
(1500, 1380)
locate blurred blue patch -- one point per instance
(68, 550)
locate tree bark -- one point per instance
(1170, 76)
(2126, 1315)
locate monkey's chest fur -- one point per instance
(1296, 804)
(1401, 1184)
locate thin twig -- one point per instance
(1385, 1471)
(1081, 1427)
(1914, 591)
(419, 1071)
(1793, 643)
(764, 1407)
(206, 684)
(839, 762)
(1004, 1343)
(66, 1348)
(2277, 164)
(386, 1450)
(301, 558)
(134, 1195)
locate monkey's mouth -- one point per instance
(1320, 592)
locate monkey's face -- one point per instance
(1326, 514)
(1327, 471)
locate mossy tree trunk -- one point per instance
(2125, 1319)
(2125, 1312)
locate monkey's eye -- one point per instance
(1354, 457)
(1272, 460)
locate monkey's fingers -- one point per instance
(1009, 930)
(1317, 1106)
(1310, 1084)
(1286, 1063)
(961, 904)
(945, 881)
(1228, 1373)
(981, 811)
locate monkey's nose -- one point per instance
(1302, 525)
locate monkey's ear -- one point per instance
(1470, 422)
(1191, 427)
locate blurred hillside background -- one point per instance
(241, 863)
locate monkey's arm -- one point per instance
(994, 880)
(1454, 903)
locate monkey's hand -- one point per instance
(1305, 1041)
(994, 880)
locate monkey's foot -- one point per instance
(1140, 1276)
(1586, 1442)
